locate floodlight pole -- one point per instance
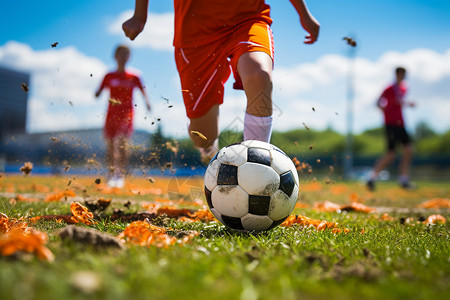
(348, 155)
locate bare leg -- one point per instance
(207, 125)
(123, 155)
(110, 156)
(406, 160)
(383, 162)
(405, 165)
(255, 70)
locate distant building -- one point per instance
(13, 101)
(13, 105)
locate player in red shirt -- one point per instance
(119, 118)
(391, 103)
(214, 39)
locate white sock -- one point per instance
(257, 128)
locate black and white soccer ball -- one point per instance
(251, 186)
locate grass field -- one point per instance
(389, 253)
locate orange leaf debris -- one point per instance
(15, 236)
(26, 168)
(199, 134)
(145, 234)
(328, 206)
(308, 222)
(55, 197)
(81, 214)
(435, 203)
(435, 219)
(202, 215)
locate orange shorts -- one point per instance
(204, 70)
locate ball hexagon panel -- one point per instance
(211, 173)
(233, 155)
(257, 144)
(227, 175)
(252, 222)
(230, 200)
(258, 155)
(257, 179)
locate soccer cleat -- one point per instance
(370, 185)
(407, 185)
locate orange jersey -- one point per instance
(198, 22)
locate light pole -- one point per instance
(348, 154)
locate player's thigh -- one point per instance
(255, 64)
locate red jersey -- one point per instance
(119, 119)
(198, 22)
(391, 101)
(121, 86)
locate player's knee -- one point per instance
(260, 78)
(408, 149)
(391, 154)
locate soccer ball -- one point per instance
(251, 186)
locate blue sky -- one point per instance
(412, 33)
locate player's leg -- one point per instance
(203, 72)
(405, 165)
(255, 70)
(407, 156)
(207, 126)
(383, 162)
(252, 64)
(110, 159)
(122, 160)
(204, 132)
(386, 159)
(123, 154)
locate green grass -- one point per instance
(389, 260)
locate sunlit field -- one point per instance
(73, 237)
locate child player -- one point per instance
(119, 118)
(391, 102)
(213, 39)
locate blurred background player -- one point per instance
(210, 38)
(391, 103)
(119, 118)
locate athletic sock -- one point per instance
(257, 128)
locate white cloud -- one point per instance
(157, 34)
(62, 89)
(324, 86)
